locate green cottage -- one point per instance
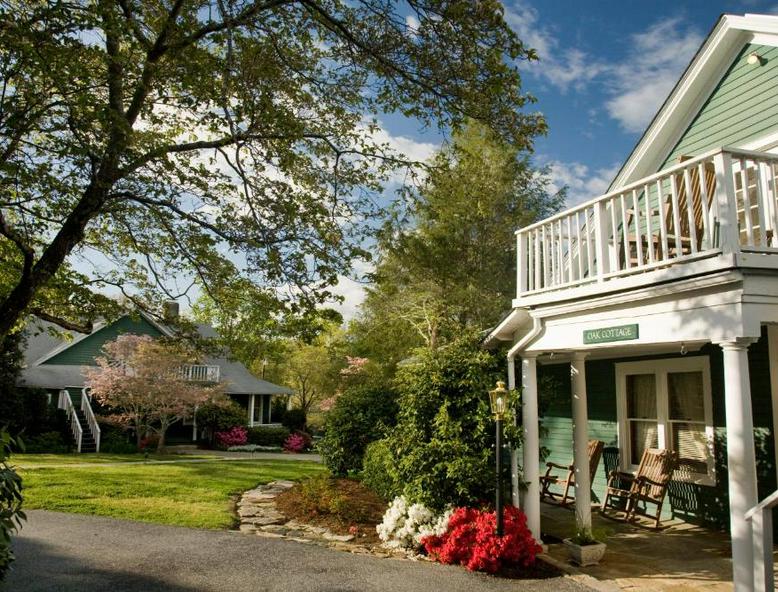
(55, 359)
(647, 318)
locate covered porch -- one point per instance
(682, 557)
(686, 367)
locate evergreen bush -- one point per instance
(268, 436)
(443, 444)
(377, 470)
(362, 414)
(11, 514)
(294, 420)
(219, 417)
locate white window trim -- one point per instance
(660, 368)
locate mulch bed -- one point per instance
(358, 515)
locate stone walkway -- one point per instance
(259, 516)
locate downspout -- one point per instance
(537, 327)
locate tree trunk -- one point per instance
(161, 433)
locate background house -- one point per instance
(54, 360)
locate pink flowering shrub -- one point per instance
(236, 436)
(297, 442)
(471, 541)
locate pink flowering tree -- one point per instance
(140, 379)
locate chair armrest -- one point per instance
(647, 481)
(621, 475)
(558, 466)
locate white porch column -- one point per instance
(529, 406)
(583, 486)
(515, 500)
(251, 411)
(741, 458)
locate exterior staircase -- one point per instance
(83, 424)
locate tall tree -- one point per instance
(162, 137)
(450, 264)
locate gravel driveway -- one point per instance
(64, 552)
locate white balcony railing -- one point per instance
(201, 373)
(723, 201)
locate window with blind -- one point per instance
(667, 404)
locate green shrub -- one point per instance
(294, 420)
(443, 443)
(378, 470)
(268, 436)
(48, 442)
(116, 440)
(219, 417)
(11, 514)
(362, 414)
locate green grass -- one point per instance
(194, 494)
(35, 460)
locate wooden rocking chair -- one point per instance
(648, 485)
(547, 480)
(702, 190)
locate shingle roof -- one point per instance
(41, 342)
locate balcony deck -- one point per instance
(708, 213)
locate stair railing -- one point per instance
(66, 403)
(94, 427)
(761, 518)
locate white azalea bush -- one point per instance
(405, 525)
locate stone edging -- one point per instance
(259, 515)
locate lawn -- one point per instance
(35, 460)
(196, 494)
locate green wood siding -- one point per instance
(687, 501)
(85, 351)
(742, 107)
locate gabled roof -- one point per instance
(45, 340)
(698, 81)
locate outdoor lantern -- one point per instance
(499, 400)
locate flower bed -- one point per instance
(254, 448)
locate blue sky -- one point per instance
(605, 68)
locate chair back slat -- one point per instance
(658, 466)
(595, 453)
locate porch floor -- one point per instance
(681, 557)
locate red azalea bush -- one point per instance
(297, 442)
(471, 541)
(236, 436)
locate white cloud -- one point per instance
(582, 182)
(643, 80)
(352, 290)
(635, 85)
(412, 23)
(562, 67)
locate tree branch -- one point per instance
(64, 323)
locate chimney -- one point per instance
(170, 310)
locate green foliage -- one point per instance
(11, 514)
(294, 420)
(362, 414)
(270, 436)
(377, 470)
(11, 399)
(167, 173)
(219, 417)
(116, 440)
(48, 443)
(443, 442)
(448, 264)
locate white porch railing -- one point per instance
(94, 427)
(761, 518)
(66, 403)
(723, 201)
(201, 373)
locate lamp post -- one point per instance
(499, 403)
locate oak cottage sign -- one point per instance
(608, 334)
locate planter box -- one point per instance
(584, 555)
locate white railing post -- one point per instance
(521, 264)
(761, 518)
(601, 240)
(725, 204)
(94, 427)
